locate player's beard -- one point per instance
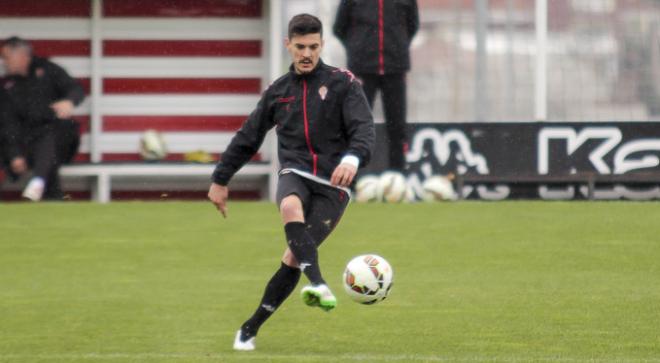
(306, 62)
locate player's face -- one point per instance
(17, 60)
(305, 51)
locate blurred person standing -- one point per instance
(35, 115)
(377, 36)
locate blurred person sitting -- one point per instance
(38, 132)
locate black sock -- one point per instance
(303, 247)
(279, 287)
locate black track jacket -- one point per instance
(320, 117)
(377, 34)
(25, 102)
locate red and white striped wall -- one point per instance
(192, 69)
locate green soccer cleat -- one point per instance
(319, 295)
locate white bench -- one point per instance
(102, 174)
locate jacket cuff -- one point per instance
(219, 177)
(350, 160)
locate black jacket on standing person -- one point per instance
(377, 34)
(26, 113)
(320, 117)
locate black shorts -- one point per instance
(323, 205)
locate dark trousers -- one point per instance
(43, 160)
(393, 91)
(323, 205)
(47, 148)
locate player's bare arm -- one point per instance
(218, 196)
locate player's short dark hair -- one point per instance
(303, 24)
(16, 42)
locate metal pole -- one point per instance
(456, 64)
(511, 68)
(481, 75)
(541, 79)
(96, 117)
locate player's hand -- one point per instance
(218, 196)
(63, 109)
(343, 175)
(19, 165)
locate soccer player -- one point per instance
(325, 132)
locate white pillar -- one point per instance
(276, 49)
(276, 39)
(541, 69)
(104, 188)
(96, 82)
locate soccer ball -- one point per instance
(368, 279)
(392, 187)
(438, 188)
(152, 146)
(366, 189)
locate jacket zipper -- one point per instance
(381, 40)
(306, 121)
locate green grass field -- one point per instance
(474, 282)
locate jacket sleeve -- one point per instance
(413, 22)
(66, 87)
(342, 20)
(358, 123)
(245, 143)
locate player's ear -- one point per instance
(287, 42)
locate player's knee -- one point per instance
(291, 209)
